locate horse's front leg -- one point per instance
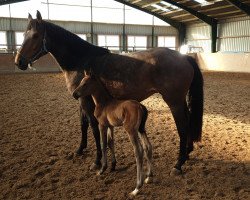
(87, 105)
(84, 130)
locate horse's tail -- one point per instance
(143, 120)
(195, 102)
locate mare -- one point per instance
(128, 76)
(110, 113)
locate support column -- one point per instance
(10, 41)
(214, 37)
(182, 35)
(153, 32)
(91, 23)
(124, 40)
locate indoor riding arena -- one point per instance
(40, 128)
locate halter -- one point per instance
(39, 53)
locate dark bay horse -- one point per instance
(111, 113)
(132, 76)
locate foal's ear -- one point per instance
(91, 74)
(29, 17)
(86, 73)
(38, 16)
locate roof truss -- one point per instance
(243, 7)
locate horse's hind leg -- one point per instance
(180, 115)
(147, 147)
(111, 146)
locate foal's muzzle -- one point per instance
(76, 95)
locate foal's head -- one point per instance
(33, 46)
(86, 87)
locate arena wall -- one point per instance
(45, 64)
(228, 62)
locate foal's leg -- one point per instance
(133, 136)
(147, 147)
(181, 119)
(103, 132)
(112, 147)
(88, 106)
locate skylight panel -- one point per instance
(202, 2)
(169, 5)
(160, 8)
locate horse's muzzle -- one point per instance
(21, 66)
(21, 62)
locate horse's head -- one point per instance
(86, 87)
(34, 43)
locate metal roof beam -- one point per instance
(4, 2)
(173, 23)
(136, 1)
(201, 16)
(242, 6)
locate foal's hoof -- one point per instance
(94, 167)
(134, 193)
(99, 173)
(175, 172)
(148, 180)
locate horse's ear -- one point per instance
(38, 16)
(30, 17)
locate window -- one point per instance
(83, 36)
(111, 42)
(19, 39)
(136, 43)
(3, 40)
(167, 41)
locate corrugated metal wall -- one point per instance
(99, 28)
(233, 36)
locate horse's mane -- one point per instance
(79, 46)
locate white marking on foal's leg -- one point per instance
(135, 192)
(148, 180)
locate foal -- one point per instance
(110, 113)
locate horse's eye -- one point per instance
(35, 36)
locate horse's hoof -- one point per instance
(148, 180)
(94, 167)
(175, 172)
(112, 169)
(134, 193)
(79, 152)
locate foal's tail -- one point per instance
(144, 119)
(195, 102)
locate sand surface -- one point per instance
(40, 131)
